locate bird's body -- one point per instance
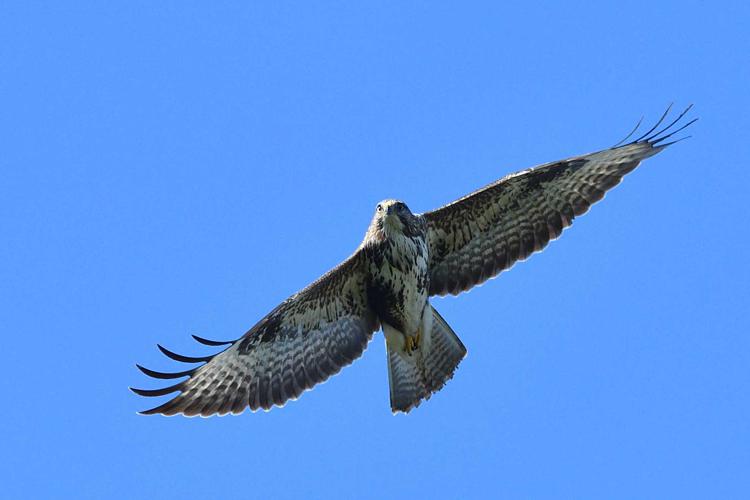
(403, 260)
(398, 271)
(397, 257)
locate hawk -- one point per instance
(404, 259)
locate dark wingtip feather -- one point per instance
(657, 140)
(164, 375)
(655, 135)
(161, 409)
(151, 393)
(630, 133)
(169, 408)
(674, 142)
(181, 358)
(212, 343)
(663, 116)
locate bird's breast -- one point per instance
(399, 282)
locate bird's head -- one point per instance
(392, 218)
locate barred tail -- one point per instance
(416, 376)
(443, 354)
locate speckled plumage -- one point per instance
(403, 260)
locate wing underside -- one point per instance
(302, 342)
(477, 237)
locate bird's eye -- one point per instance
(379, 207)
(402, 208)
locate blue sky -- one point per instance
(171, 168)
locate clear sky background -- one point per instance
(171, 168)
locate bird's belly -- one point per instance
(400, 298)
(400, 284)
(412, 305)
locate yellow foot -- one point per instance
(412, 343)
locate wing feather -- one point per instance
(302, 342)
(476, 237)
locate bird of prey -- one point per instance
(404, 259)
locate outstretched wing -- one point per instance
(302, 342)
(480, 235)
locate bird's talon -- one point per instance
(411, 344)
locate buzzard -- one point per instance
(404, 259)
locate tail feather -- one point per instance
(416, 377)
(408, 387)
(445, 353)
